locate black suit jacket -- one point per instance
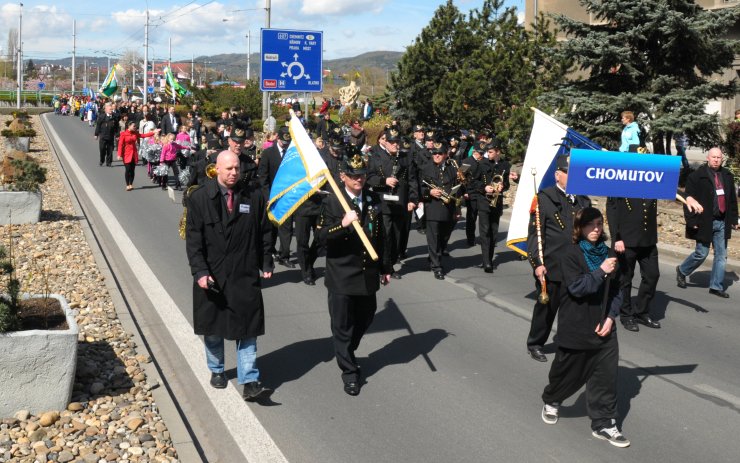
(349, 268)
(434, 208)
(556, 223)
(166, 124)
(268, 167)
(107, 127)
(633, 220)
(700, 186)
(380, 167)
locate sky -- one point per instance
(204, 27)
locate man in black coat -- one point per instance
(470, 194)
(325, 126)
(393, 175)
(438, 177)
(352, 277)
(557, 211)
(106, 130)
(170, 123)
(633, 226)
(491, 182)
(711, 215)
(270, 161)
(227, 242)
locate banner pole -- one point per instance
(356, 224)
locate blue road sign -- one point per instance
(150, 89)
(291, 61)
(41, 85)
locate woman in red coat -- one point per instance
(129, 151)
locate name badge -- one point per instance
(720, 191)
(244, 208)
(391, 197)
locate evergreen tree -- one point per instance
(483, 71)
(652, 57)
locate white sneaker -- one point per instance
(612, 435)
(550, 414)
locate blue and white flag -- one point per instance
(302, 172)
(549, 139)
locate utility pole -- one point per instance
(192, 70)
(169, 56)
(266, 95)
(249, 52)
(84, 76)
(20, 55)
(146, 58)
(74, 51)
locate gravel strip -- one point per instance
(113, 416)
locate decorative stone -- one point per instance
(49, 418)
(22, 415)
(134, 423)
(75, 406)
(65, 456)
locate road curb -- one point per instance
(182, 440)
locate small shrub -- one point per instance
(29, 175)
(8, 303)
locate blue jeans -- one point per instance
(695, 259)
(681, 151)
(246, 357)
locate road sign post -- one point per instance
(291, 61)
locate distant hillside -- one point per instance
(234, 65)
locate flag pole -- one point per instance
(356, 224)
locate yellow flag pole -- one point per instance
(356, 224)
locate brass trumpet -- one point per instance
(445, 197)
(210, 173)
(495, 181)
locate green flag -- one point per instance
(172, 83)
(110, 84)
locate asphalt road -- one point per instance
(448, 377)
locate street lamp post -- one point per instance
(20, 55)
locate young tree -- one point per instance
(12, 46)
(653, 57)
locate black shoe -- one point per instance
(423, 231)
(647, 321)
(255, 391)
(536, 353)
(218, 380)
(396, 276)
(403, 255)
(720, 293)
(352, 388)
(471, 243)
(445, 253)
(285, 262)
(309, 281)
(488, 269)
(630, 325)
(439, 275)
(101, 164)
(680, 278)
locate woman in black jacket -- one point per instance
(587, 348)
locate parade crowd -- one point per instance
(583, 274)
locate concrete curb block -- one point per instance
(182, 440)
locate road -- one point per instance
(448, 377)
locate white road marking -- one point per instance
(246, 430)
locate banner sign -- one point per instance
(624, 175)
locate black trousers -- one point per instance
(597, 369)
(307, 253)
(543, 315)
(404, 241)
(438, 234)
(471, 216)
(488, 220)
(647, 257)
(351, 316)
(129, 173)
(164, 180)
(395, 228)
(284, 232)
(106, 150)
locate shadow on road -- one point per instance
(628, 387)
